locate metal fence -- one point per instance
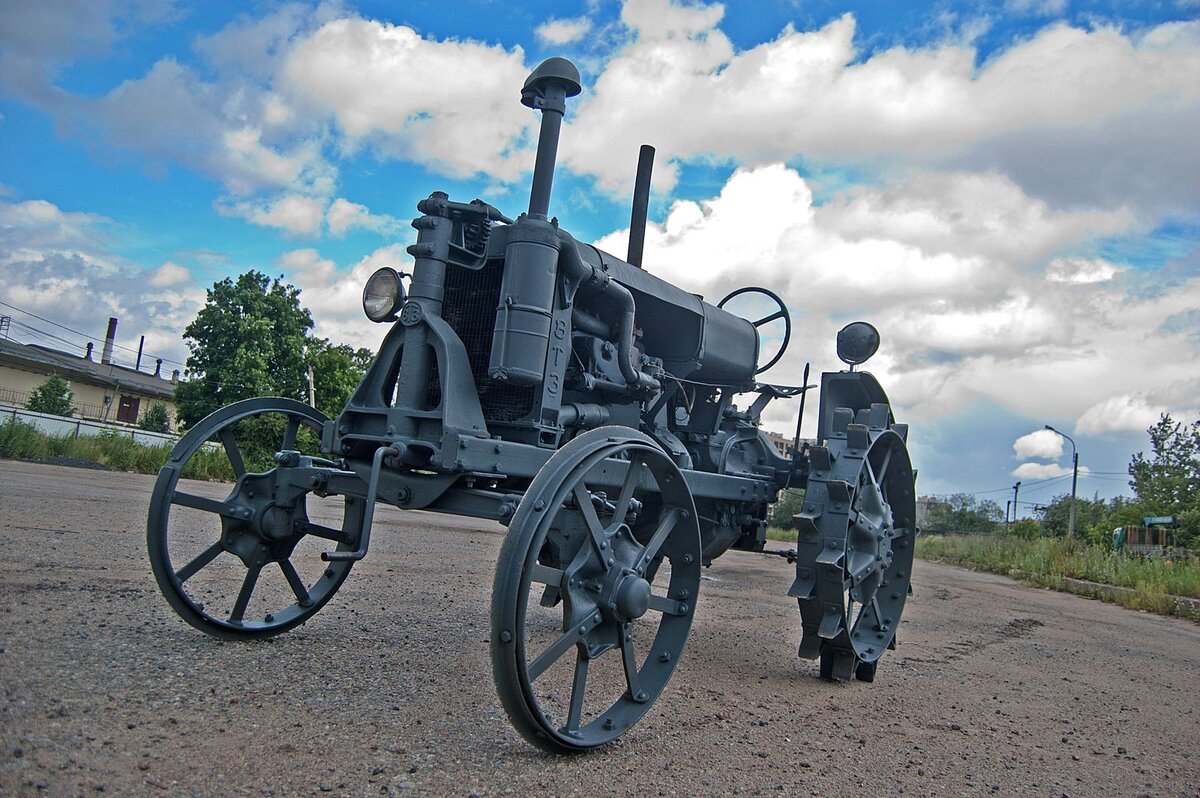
(60, 426)
(11, 397)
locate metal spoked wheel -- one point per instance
(246, 562)
(595, 589)
(855, 539)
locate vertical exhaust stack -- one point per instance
(110, 338)
(641, 205)
(547, 89)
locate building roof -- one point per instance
(33, 357)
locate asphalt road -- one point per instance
(997, 689)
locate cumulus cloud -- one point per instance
(169, 274)
(1062, 102)
(1126, 412)
(334, 295)
(296, 214)
(345, 215)
(57, 264)
(1042, 443)
(448, 104)
(563, 31)
(1044, 471)
(955, 280)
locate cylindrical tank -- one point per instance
(526, 299)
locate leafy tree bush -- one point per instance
(789, 504)
(337, 369)
(155, 419)
(963, 513)
(1168, 482)
(1025, 529)
(248, 340)
(54, 396)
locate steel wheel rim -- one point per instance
(596, 628)
(855, 540)
(308, 595)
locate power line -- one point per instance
(81, 334)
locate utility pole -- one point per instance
(1007, 512)
(1016, 488)
(1074, 478)
(312, 388)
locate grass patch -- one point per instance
(20, 441)
(1048, 561)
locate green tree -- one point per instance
(248, 340)
(789, 504)
(155, 419)
(1168, 482)
(962, 512)
(54, 396)
(337, 370)
(1089, 513)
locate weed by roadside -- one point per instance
(20, 441)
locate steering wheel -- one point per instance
(782, 313)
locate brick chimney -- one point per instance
(110, 338)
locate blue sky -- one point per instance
(1009, 190)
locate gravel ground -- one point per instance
(997, 689)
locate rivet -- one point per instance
(506, 636)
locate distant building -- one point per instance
(103, 391)
(784, 443)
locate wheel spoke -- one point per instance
(883, 467)
(546, 575)
(297, 584)
(559, 647)
(629, 661)
(665, 605)
(289, 434)
(232, 451)
(577, 691)
(776, 315)
(325, 532)
(202, 503)
(205, 557)
(584, 499)
(660, 535)
(632, 478)
(243, 599)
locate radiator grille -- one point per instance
(469, 308)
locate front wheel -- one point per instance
(595, 591)
(246, 562)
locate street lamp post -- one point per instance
(1074, 479)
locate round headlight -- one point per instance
(383, 295)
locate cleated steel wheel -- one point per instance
(855, 538)
(246, 562)
(595, 590)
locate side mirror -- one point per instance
(856, 342)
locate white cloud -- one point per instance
(1127, 412)
(1081, 270)
(345, 215)
(447, 104)
(558, 32)
(169, 274)
(293, 213)
(334, 296)
(1064, 102)
(1042, 443)
(57, 264)
(1044, 471)
(955, 281)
